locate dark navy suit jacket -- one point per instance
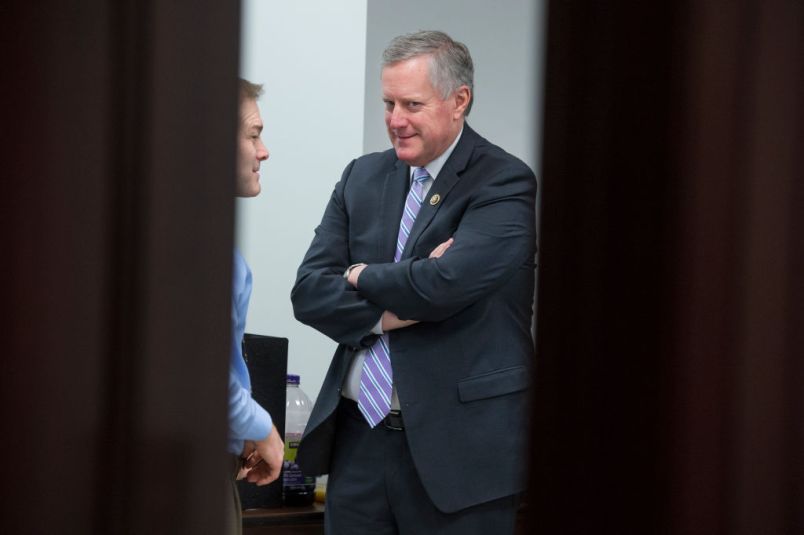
(463, 372)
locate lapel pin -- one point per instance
(435, 199)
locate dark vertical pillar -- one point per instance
(117, 223)
(598, 395)
(668, 395)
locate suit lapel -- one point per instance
(390, 209)
(430, 205)
(447, 178)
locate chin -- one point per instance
(254, 185)
(407, 156)
(249, 192)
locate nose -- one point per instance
(397, 118)
(262, 152)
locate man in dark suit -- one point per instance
(422, 269)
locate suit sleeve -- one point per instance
(495, 237)
(321, 297)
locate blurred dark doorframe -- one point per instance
(117, 222)
(669, 391)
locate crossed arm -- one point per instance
(494, 237)
(391, 321)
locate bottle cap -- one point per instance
(293, 379)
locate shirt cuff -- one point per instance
(378, 328)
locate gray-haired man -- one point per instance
(422, 269)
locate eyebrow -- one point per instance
(412, 98)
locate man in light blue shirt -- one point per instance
(254, 442)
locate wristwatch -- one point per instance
(350, 268)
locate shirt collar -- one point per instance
(434, 167)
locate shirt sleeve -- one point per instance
(247, 419)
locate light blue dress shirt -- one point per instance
(247, 419)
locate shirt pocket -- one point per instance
(493, 384)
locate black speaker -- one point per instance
(267, 362)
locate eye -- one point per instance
(389, 106)
(414, 105)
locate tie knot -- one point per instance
(420, 174)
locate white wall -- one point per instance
(310, 55)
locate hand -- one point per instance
(355, 273)
(265, 464)
(391, 321)
(441, 249)
(248, 456)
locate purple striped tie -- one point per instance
(376, 378)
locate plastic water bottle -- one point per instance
(321, 489)
(296, 488)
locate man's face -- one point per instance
(421, 125)
(250, 149)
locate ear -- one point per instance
(463, 96)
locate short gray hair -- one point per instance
(249, 90)
(450, 62)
